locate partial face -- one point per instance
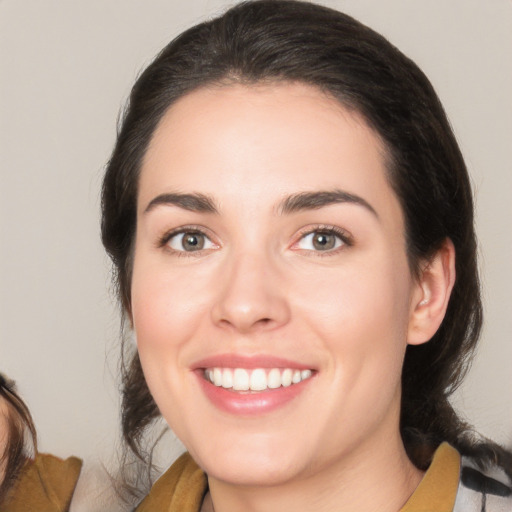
(271, 292)
(4, 438)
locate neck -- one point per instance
(371, 478)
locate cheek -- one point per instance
(165, 304)
(165, 311)
(170, 309)
(156, 313)
(361, 316)
(362, 299)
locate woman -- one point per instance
(42, 483)
(286, 202)
(15, 421)
(291, 225)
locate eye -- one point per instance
(189, 241)
(321, 240)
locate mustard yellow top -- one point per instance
(180, 489)
(438, 488)
(183, 486)
(45, 485)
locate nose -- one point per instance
(250, 296)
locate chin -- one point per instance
(244, 471)
(252, 462)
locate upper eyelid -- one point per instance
(345, 235)
(164, 239)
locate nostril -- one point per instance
(244, 306)
(264, 321)
(260, 323)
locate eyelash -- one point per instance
(163, 241)
(344, 236)
(346, 239)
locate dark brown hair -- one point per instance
(295, 41)
(20, 429)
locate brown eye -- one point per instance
(320, 241)
(323, 241)
(189, 241)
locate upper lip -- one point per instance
(249, 362)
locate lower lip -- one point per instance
(250, 403)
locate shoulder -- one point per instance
(483, 490)
(181, 488)
(46, 483)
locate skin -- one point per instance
(261, 287)
(4, 423)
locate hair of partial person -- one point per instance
(274, 41)
(20, 429)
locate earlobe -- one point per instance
(432, 294)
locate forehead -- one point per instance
(263, 141)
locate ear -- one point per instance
(432, 294)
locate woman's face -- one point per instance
(270, 255)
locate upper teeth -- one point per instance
(259, 379)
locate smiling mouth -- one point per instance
(255, 380)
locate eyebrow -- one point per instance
(201, 203)
(319, 199)
(193, 202)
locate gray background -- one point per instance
(66, 68)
